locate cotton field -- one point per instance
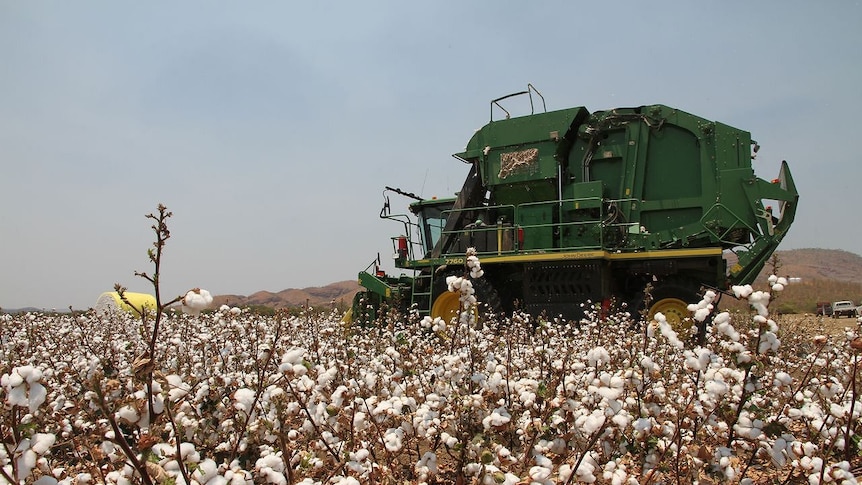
(230, 397)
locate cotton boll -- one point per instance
(292, 357)
(498, 417)
(701, 313)
(243, 399)
(38, 393)
(742, 291)
(29, 373)
(196, 300)
(127, 414)
(12, 380)
(598, 356)
(26, 461)
(206, 471)
(759, 301)
(393, 439)
(42, 442)
(539, 473)
(453, 283)
(671, 336)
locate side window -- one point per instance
(435, 229)
(432, 221)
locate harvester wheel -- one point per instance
(672, 301)
(489, 300)
(447, 304)
(674, 310)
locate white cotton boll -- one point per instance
(539, 473)
(12, 380)
(742, 291)
(701, 313)
(428, 462)
(838, 411)
(206, 471)
(585, 471)
(29, 373)
(671, 336)
(759, 300)
(393, 439)
(42, 442)
(771, 325)
(498, 417)
(178, 389)
(716, 388)
(196, 300)
(448, 439)
(777, 287)
(38, 393)
(598, 356)
(326, 378)
(591, 423)
(453, 283)
(244, 398)
(782, 379)
(26, 462)
(768, 343)
(293, 356)
(772, 279)
(691, 362)
(128, 414)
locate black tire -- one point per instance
(490, 304)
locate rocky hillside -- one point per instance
(820, 264)
(814, 266)
(340, 293)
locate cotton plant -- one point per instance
(557, 403)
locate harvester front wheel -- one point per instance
(674, 310)
(672, 301)
(447, 306)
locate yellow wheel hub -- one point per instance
(447, 306)
(674, 310)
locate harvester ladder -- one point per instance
(423, 286)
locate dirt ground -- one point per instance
(816, 324)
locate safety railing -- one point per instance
(505, 229)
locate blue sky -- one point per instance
(271, 128)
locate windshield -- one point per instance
(432, 220)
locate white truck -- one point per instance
(843, 308)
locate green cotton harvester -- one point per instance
(645, 206)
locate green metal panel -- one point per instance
(581, 215)
(673, 165)
(537, 223)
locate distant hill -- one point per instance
(340, 293)
(820, 264)
(827, 275)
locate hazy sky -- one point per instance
(271, 128)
